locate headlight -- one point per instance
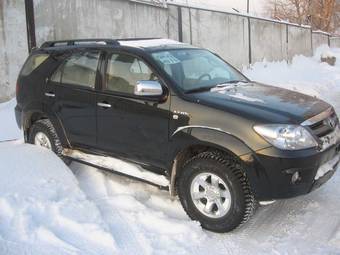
(286, 137)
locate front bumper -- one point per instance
(274, 170)
(325, 172)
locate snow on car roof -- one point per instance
(149, 43)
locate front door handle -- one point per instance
(49, 94)
(104, 105)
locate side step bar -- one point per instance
(119, 167)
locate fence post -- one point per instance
(249, 41)
(311, 40)
(30, 25)
(180, 24)
(287, 43)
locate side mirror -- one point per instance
(148, 88)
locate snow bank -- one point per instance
(8, 127)
(42, 208)
(325, 51)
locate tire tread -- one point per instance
(235, 166)
(46, 124)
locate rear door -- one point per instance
(131, 126)
(72, 90)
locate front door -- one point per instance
(130, 126)
(73, 86)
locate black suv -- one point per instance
(195, 124)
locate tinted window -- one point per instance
(80, 69)
(123, 72)
(33, 62)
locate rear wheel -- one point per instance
(42, 133)
(214, 190)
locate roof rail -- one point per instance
(79, 42)
(139, 39)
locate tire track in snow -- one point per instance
(139, 226)
(119, 227)
(264, 223)
(14, 248)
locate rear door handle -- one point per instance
(104, 105)
(49, 94)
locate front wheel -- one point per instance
(214, 190)
(42, 133)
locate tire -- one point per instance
(230, 213)
(46, 128)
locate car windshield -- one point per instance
(195, 69)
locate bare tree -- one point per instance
(320, 14)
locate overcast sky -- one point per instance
(256, 6)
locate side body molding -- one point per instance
(211, 135)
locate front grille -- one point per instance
(325, 126)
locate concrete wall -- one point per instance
(65, 19)
(319, 39)
(227, 35)
(335, 42)
(299, 41)
(13, 45)
(268, 40)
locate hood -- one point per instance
(263, 103)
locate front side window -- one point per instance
(192, 69)
(80, 69)
(123, 72)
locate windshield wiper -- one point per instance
(232, 81)
(229, 84)
(199, 89)
(224, 84)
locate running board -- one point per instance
(118, 166)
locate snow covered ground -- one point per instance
(49, 208)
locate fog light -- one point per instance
(296, 177)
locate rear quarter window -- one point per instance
(33, 62)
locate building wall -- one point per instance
(13, 45)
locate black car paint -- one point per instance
(146, 131)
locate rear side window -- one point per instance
(33, 62)
(80, 69)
